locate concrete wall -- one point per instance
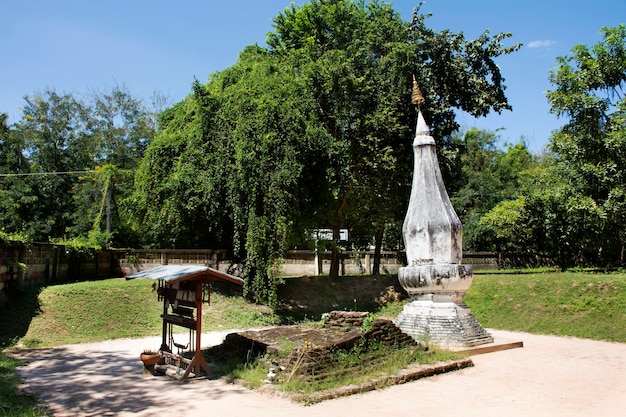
(29, 265)
(296, 263)
(44, 264)
(134, 260)
(303, 262)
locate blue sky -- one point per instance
(76, 46)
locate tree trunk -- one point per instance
(335, 255)
(109, 193)
(378, 242)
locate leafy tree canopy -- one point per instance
(490, 174)
(65, 160)
(575, 203)
(313, 131)
(589, 91)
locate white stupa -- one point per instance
(435, 278)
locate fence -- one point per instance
(298, 263)
(134, 260)
(30, 265)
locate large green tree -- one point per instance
(12, 164)
(358, 59)
(52, 155)
(314, 131)
(575, 209)
(54, 134)
(590, 91)
(349, 55)
(240, 163)
(122, 127)
(490, 174)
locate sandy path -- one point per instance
(549, 376)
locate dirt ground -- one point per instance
(549, 376)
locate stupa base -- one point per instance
(447, 324)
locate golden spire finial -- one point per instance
(416, 97)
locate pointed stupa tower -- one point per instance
(435, 278)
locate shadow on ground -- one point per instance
(103, 382)
(16, 315)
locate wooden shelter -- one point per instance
(183, 290)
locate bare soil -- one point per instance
(549, 376)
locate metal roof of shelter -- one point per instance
(176, 273)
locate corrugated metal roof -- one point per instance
(173, 273)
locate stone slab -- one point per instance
(498, 344)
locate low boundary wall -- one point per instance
(27, 265)
(38, 264)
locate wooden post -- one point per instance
(198, 364)
(164, 346)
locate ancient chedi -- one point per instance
(435, 278)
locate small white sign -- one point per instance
(327, 234)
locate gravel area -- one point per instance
(549, 376)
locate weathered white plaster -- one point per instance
(432, 230)
(435, 278)
(443, 282)
(446, 324)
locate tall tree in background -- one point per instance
(122, 127)
(12, 161)
(574, 208)
(241, 162)
(490, 174)
(349, 55)
(314, 131)
(358, 59)
(590, 92)
(58, 139)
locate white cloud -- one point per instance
(540, 44)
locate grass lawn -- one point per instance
(588, 305)
(580, 304)
(93, 311)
